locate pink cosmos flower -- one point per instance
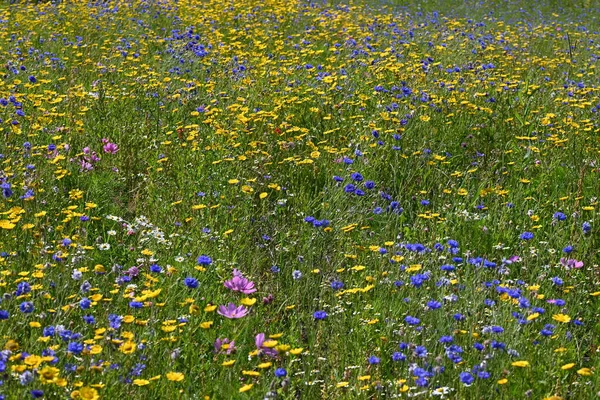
(571, 263)
(232, 312)
(267, 351)
(240, 284)
(225, 346)
(110, 148)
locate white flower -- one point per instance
(76, 274)
(111, 233)
(104, 246)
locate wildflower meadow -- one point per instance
(299, 199)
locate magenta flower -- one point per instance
(571, 263)
(232, 312)
(110, 147)
(224, 346)
(240, 284)
(267, 351)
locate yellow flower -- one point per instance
(341, 384)
(521, 364)
(141, 382)
(561, 318)
(206, 325)
(88, 393)
(128, 347)
(48, 374)
(6, 224)
(175, 376)
(245, 388)
(585, 372)
(568, 366)
(248, 301)
(502, 381)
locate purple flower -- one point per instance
(109, 147)
(224, 346)
(571, 263)
(240, 284)
(267, 351)
(232, 312)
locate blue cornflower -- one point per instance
(155, 268)
(204, 260)
(280, 372)
(85, 303)
(448, 267)
(75, 347)
(421, 351)
(26, 307)
(318, 315)
(446, 339)
(586, 227)
(434, 305)
(526, 236)
(356, 176)
(349, 188)
(412, 320)
(190, 282)
(557, 281)
(374, 360)
(337, 285)
(559, 216)
(466, 378)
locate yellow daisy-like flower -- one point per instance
(585, 372)
(175, 376)
(141, 382)
(245, 388)
(521, 364)
(48, 374)
(88, 393)
(561, 318)
(128, 347)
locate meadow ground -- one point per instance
(299, 200)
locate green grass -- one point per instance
(231, 121)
